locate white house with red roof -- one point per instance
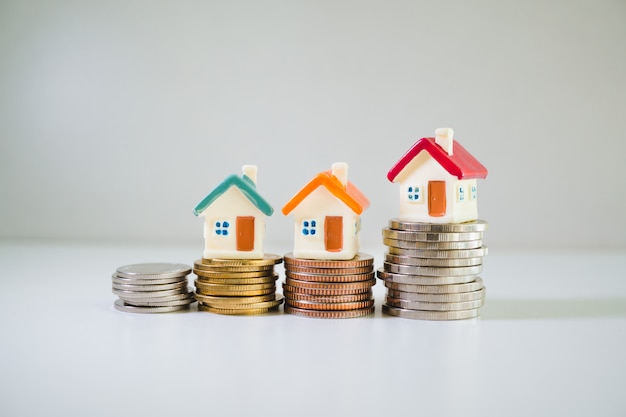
(437, 178)
(327, 216)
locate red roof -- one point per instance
(350, 195)
(460, 164)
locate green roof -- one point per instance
(245, 185)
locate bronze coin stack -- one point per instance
(431, 270)
(329, 288)
(237, 286)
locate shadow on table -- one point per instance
(502, 309)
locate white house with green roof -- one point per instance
(234, 218)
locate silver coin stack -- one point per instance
(431, 270)
(152, 288)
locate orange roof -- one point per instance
(350, 195)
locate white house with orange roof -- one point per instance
(327, 216)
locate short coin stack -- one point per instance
(237, 286)
(431, 270)
(329, 288)
(152, 288)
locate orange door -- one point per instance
(245, 233)
(333, 233)
(437, 198)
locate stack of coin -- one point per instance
(237, 286)
(328, 288)
(152, 288)
(431, 270)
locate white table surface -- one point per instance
(551, 341)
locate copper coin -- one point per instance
(330, 285)
(330, 271)
(328, 299)
(360, 260)
(329, 278)
(321, 314)
(307, 305)
(316, 291)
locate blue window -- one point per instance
(473, 192)
(222, 228)
(461, 193)
(309, 227)
(414, 193)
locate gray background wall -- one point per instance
(117, 117)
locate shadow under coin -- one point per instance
(502, 309)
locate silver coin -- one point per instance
(150, 288)
(430, 315)
(473, 226)
(447, 263)
(135, 300)
(149, 294)
(432, 271)
(430, 236)
(437, 289)
(437, 298)
(406, 244)
(122, 306)
(155, 269)
(181, 302)
(439, 254)
(148, 281)
(422, 280)
(422, 305)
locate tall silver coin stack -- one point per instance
(431, 270)
(152, 288)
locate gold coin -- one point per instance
(267, 260)
(239, 281)
(237, 311)
(226, 301)
(232, 287)
(236, 293)
(321, 314)
(239, 268)
(330, 278)
(223, 274)
(275, 302)
(360, 260)
(307, 305)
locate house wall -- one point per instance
(422, 169)
(316, 206)
(226, 208)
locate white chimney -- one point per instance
(250, 172)
(340, 171)
(444, 137)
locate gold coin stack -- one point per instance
(431, 270)
(329, 288)
(237, 286)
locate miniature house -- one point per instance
(327, 216)
(234, 218)
(437, 178)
